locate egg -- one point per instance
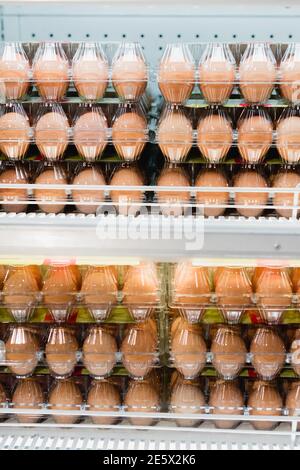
(141, 397)
(288, 140)
(286, 179)
(176, 73)
(28, 395)
(59, 287)
(212, 179)
(229, 352)
(173, 201)
(289, 73)
(50, 200)
(88, 177)
(188, 351)
(103, 397)
(293, 401)
(129, 72)
(191, 284)
(13, 176)
(99, 352)
(90, 134)
(139, 351)
(264, 400)
(14, 72)
(295, 352)
(295, 279)
(257, 72)
(249, 200)
(274, 293)
(180, 323)
(226, 399)
(268, 353)
(21, 351)
(141, 285)
(51, 71)
(51, 134)
(20, 292)
(126, 199)
(255, 135)
(217, 73)
(14, 135)
(187, 398)
(90, 71)
(65, 396)
(214, 137)
(129, 135)
(61, 349)
(99, 291)
(3, 273)
(175, 135)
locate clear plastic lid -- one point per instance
(22, 349)
(14, 130)
(129, 71)
(99, 352)
(141, 397)
(229, 352)
(173, 203)
(250, 204)
(88, 201)
(214, 134)
(103, 396)
(286, 204)
(214, 203)
(11, 199)
(28, 394)
(289, 73)
(187, 399)
(14, 71)
(61, 351)
(226, 399)
(20, 292)
(288, 135)
(127, 201)
(268, 353)
(90, 132)
(51, 200)
(265, 400)
(65, 396)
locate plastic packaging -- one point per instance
(90, 132)
(214, 135)
(268, 353)
(173, 203)
(289, 72)
(15, 131)
(229, 352)
(288, 140)
(14, 71)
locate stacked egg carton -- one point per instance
(234, 342)
(86, 338)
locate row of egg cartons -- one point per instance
(229, 353)
(37, 398)
(254, 134)
(256, 68)
(228, 400)
(248, 192)
(53, 128)
(234, 290)
(98, 349)
(61, 288)
(52, 67)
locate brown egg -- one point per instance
(90, 134)
(274, 293)
(188, 351)
(288, 179)
(21, 351)
(187, 398)
(127, 177)
(175, 135)
(141, 285)
(216, 77)
(61, 349)
(173, 200)
(234, 291)
(288, 140)
(139, 351)
(90, 74)
(129, 77)
(51, 71)
(295, 352)
(295, 279)
(255, 135)
(191, 284)
(141, 397)
(14, 75)
(176, 74)
(99, 285)
(56, 197)
(129, 135)
(229, 352)
(20, 292)
(15, 135)
(268, 353)
(99, 352)
(211, 179)
(214, 137)
(65, 396)
(13, 176)
(103, 397)
(88, 177)
(28, 395)
(250, 179)
(265, 400)
(59, 286)
(51, 135)
(226, 399)
(293, 401)
(289, 72)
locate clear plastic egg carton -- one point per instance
(88, 128)
(231, 351)
(217, 69)
(88, 69)
(216, 132)
(234, 294)
(94, 293)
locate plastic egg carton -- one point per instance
(55, 69)
(216, 69)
